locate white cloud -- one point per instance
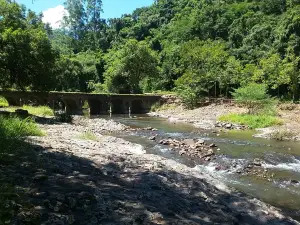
(54, 16)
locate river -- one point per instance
(282, 159)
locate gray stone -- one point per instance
(200, 142)
(212, 145)
(153, 138)
(228, 126)
(257, 162)
(189, 142)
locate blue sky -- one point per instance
(53, 9)
(112, 8)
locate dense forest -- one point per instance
(194, 47)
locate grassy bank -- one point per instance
(14, 128)
(34, 110)
(3, 102)
(12, 151)
(253, 121)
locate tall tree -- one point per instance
(27, 58)
(76, 21)
(128, 67)
(94, 10)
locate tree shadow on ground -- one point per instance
(59, 188)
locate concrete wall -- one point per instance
(73, 102)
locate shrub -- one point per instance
(253, 121)
(188, 96)
(255, 98)
(97, 88)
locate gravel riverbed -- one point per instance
(107, 180)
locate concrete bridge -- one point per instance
(73, 102)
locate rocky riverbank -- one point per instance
(204, 117)
(99, 179)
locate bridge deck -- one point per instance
(73, 101)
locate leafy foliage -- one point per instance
(27, 58)
(254, 97)
(130, 69)
(195, 47)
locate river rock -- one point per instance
(294, 181)
(148, 128)
(207, 158)
(190, 148)
(228, 126)
(200, 142)
(210, 152)
(189, 142)
(153, 138)
(257, 162)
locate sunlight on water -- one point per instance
(294, 166)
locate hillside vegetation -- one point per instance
(195, 47)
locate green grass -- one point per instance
(15, 128)
(3, 102)
(253, 121)
(34, 110)
(88, 136)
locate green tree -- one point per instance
(254, 97)
(203, 63)
(291, 69)
(272, 72)
(128, 66)
(27, 58)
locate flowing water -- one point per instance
(236, 150)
